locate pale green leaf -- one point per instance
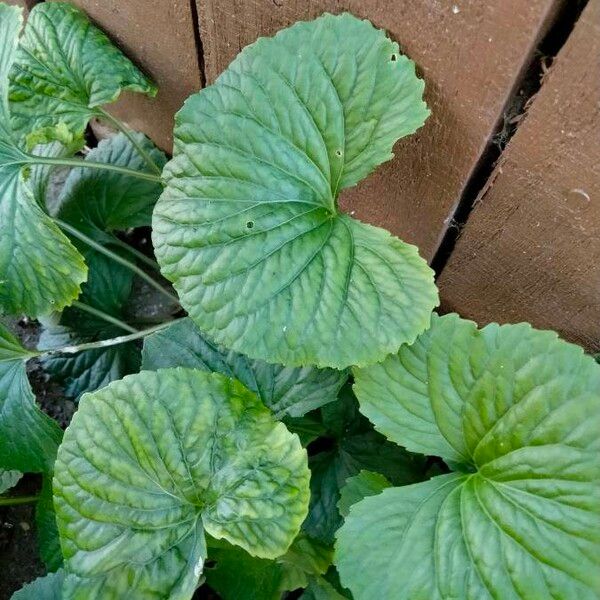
(518, 412)
(65, 69)
(8, 479)
(98, 202)
(248, 228)
(286, 391)
(366, 483)
(40, 271)
(151, 462)
(43, 588)
(28, 438)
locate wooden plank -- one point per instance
(471, 54)
(160, 38)
(531, 247)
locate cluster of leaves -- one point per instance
(232, 449)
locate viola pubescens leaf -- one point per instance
(48, 587)
(29, 438)
(40, 270)
(287, 391)
(8, 479)
(154, 460)
(248, 228)
(366, 483)
(108, 289)
(517, 411)
(352, 445)
(98, 202)
(238, 576)
(65, 69)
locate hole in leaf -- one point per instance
(210, 564)
(250, 224)
(394, 58)
(338, 153)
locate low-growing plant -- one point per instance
(232, 449)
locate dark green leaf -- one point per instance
(249, 229)
(98, 202)
(65, 69)
(107, 289)
(28, 438)
(46, 529)
(151, 462)
(286, 391)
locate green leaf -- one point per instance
(366, 483)
(154, 460)
(354, 447)
(518, 412)
(286, 391)
(28, 438)
(48, 587)
(305, 558)
(40, 270)
(65, 69)
(8, 479)
(99, 202)
(108, 289)
(239, 576)
(320, 589)
(46, 529)
(248, 228)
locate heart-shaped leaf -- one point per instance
(40, 270)
(285, 390)
(108, 289)
(28, 438)
(248, 228)
(43, 588)
(65, 69)
(352, 446)
(99, 202)
(151, 462)
(518, 412)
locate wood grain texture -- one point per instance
(471, 54)
(531, 248)
(159, 37)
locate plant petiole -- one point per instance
(104, 316)
(89, 164)
(18, 500)
(118, 124)
(106, 343)
(115, 257)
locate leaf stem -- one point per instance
(104, 316)
(128, 134)
(106, 343)
(90, 164)
(18, 500)
(139, 255)
(118, 259)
